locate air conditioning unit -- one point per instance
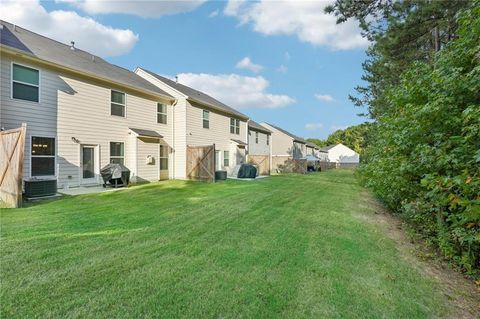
(39, 188)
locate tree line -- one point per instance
(421, 153)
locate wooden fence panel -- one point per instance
(201, 163)
(12, 145)
(284, 164)
(262, 162)
(324, 166)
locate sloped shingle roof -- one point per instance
(327, 148)
(41, 47)
(296, 138)
(257, 127)
(197, 96)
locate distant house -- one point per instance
(259, 146)
(285, 146)
(312, 149)
(201, 120)
(340, 153)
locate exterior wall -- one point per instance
(310, 151)
(262, 148)
(76, 111)
(343, 154)
(147, 171)
(282, 144)
(218, 134)
(298, 150)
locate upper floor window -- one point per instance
(206, 119)
(268, 139)
(117, 103)
(234, 126)
(256, 137)
(117, 153)
(25, 83)
(43, 156)
(161, 113)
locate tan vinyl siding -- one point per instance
(74, 107)
(261, 148)
(282, 144)
(148, 171)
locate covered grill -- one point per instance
(247, 171)
(115, 174)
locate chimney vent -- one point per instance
(72, 45)
(176, 78)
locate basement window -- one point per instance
(117, 103)
(25, 83)
(43, 156)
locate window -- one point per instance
(234, 126)
(163, 157)
(256, 137)
(43, 156)
(25, 83)
(117, 153)
(117, 103)
(206, 119)
(161, 113)
(226, 158)
(268, 139)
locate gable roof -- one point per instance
(145, 133)
(313, 145)
(295, 138)
(327, 148)
(257, 127)
(35, 45)
(197, 96)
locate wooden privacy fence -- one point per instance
(283, 164)
(262, 162)
(201, 163)
(323, 166)
(12, 145)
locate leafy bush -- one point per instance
(424, 156)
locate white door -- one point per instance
(218, 160)
(88, 164)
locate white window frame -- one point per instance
(235, 127)
(160, 113)
(124, 105)
(203, 119)
(160, 157)
(226, 158)
(110, 152)
(54, 157)
(38, 86)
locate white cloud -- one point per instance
(236, 90)
(287, 56)
(338, 127)
(66, 26)
(141, 8)
(213, 14)
(305, 19)
(313, 126)
(247, 64)
(282, 69)
(324, 98)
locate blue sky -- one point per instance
(288, 64)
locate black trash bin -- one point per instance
(117, 175)
(220, 175)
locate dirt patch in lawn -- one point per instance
(463, 293)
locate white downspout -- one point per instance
(173, 139)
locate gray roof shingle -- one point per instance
(41, 47)
(296, 138)
(197, 96)
(146, 133)
(257, 127)
(327, 148)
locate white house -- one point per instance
(81, 112)
(201, 120)
(342, 154)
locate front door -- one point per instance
(88, 164)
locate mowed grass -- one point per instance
(283, 247)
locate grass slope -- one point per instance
(286, 246)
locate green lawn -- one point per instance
(287, 246)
